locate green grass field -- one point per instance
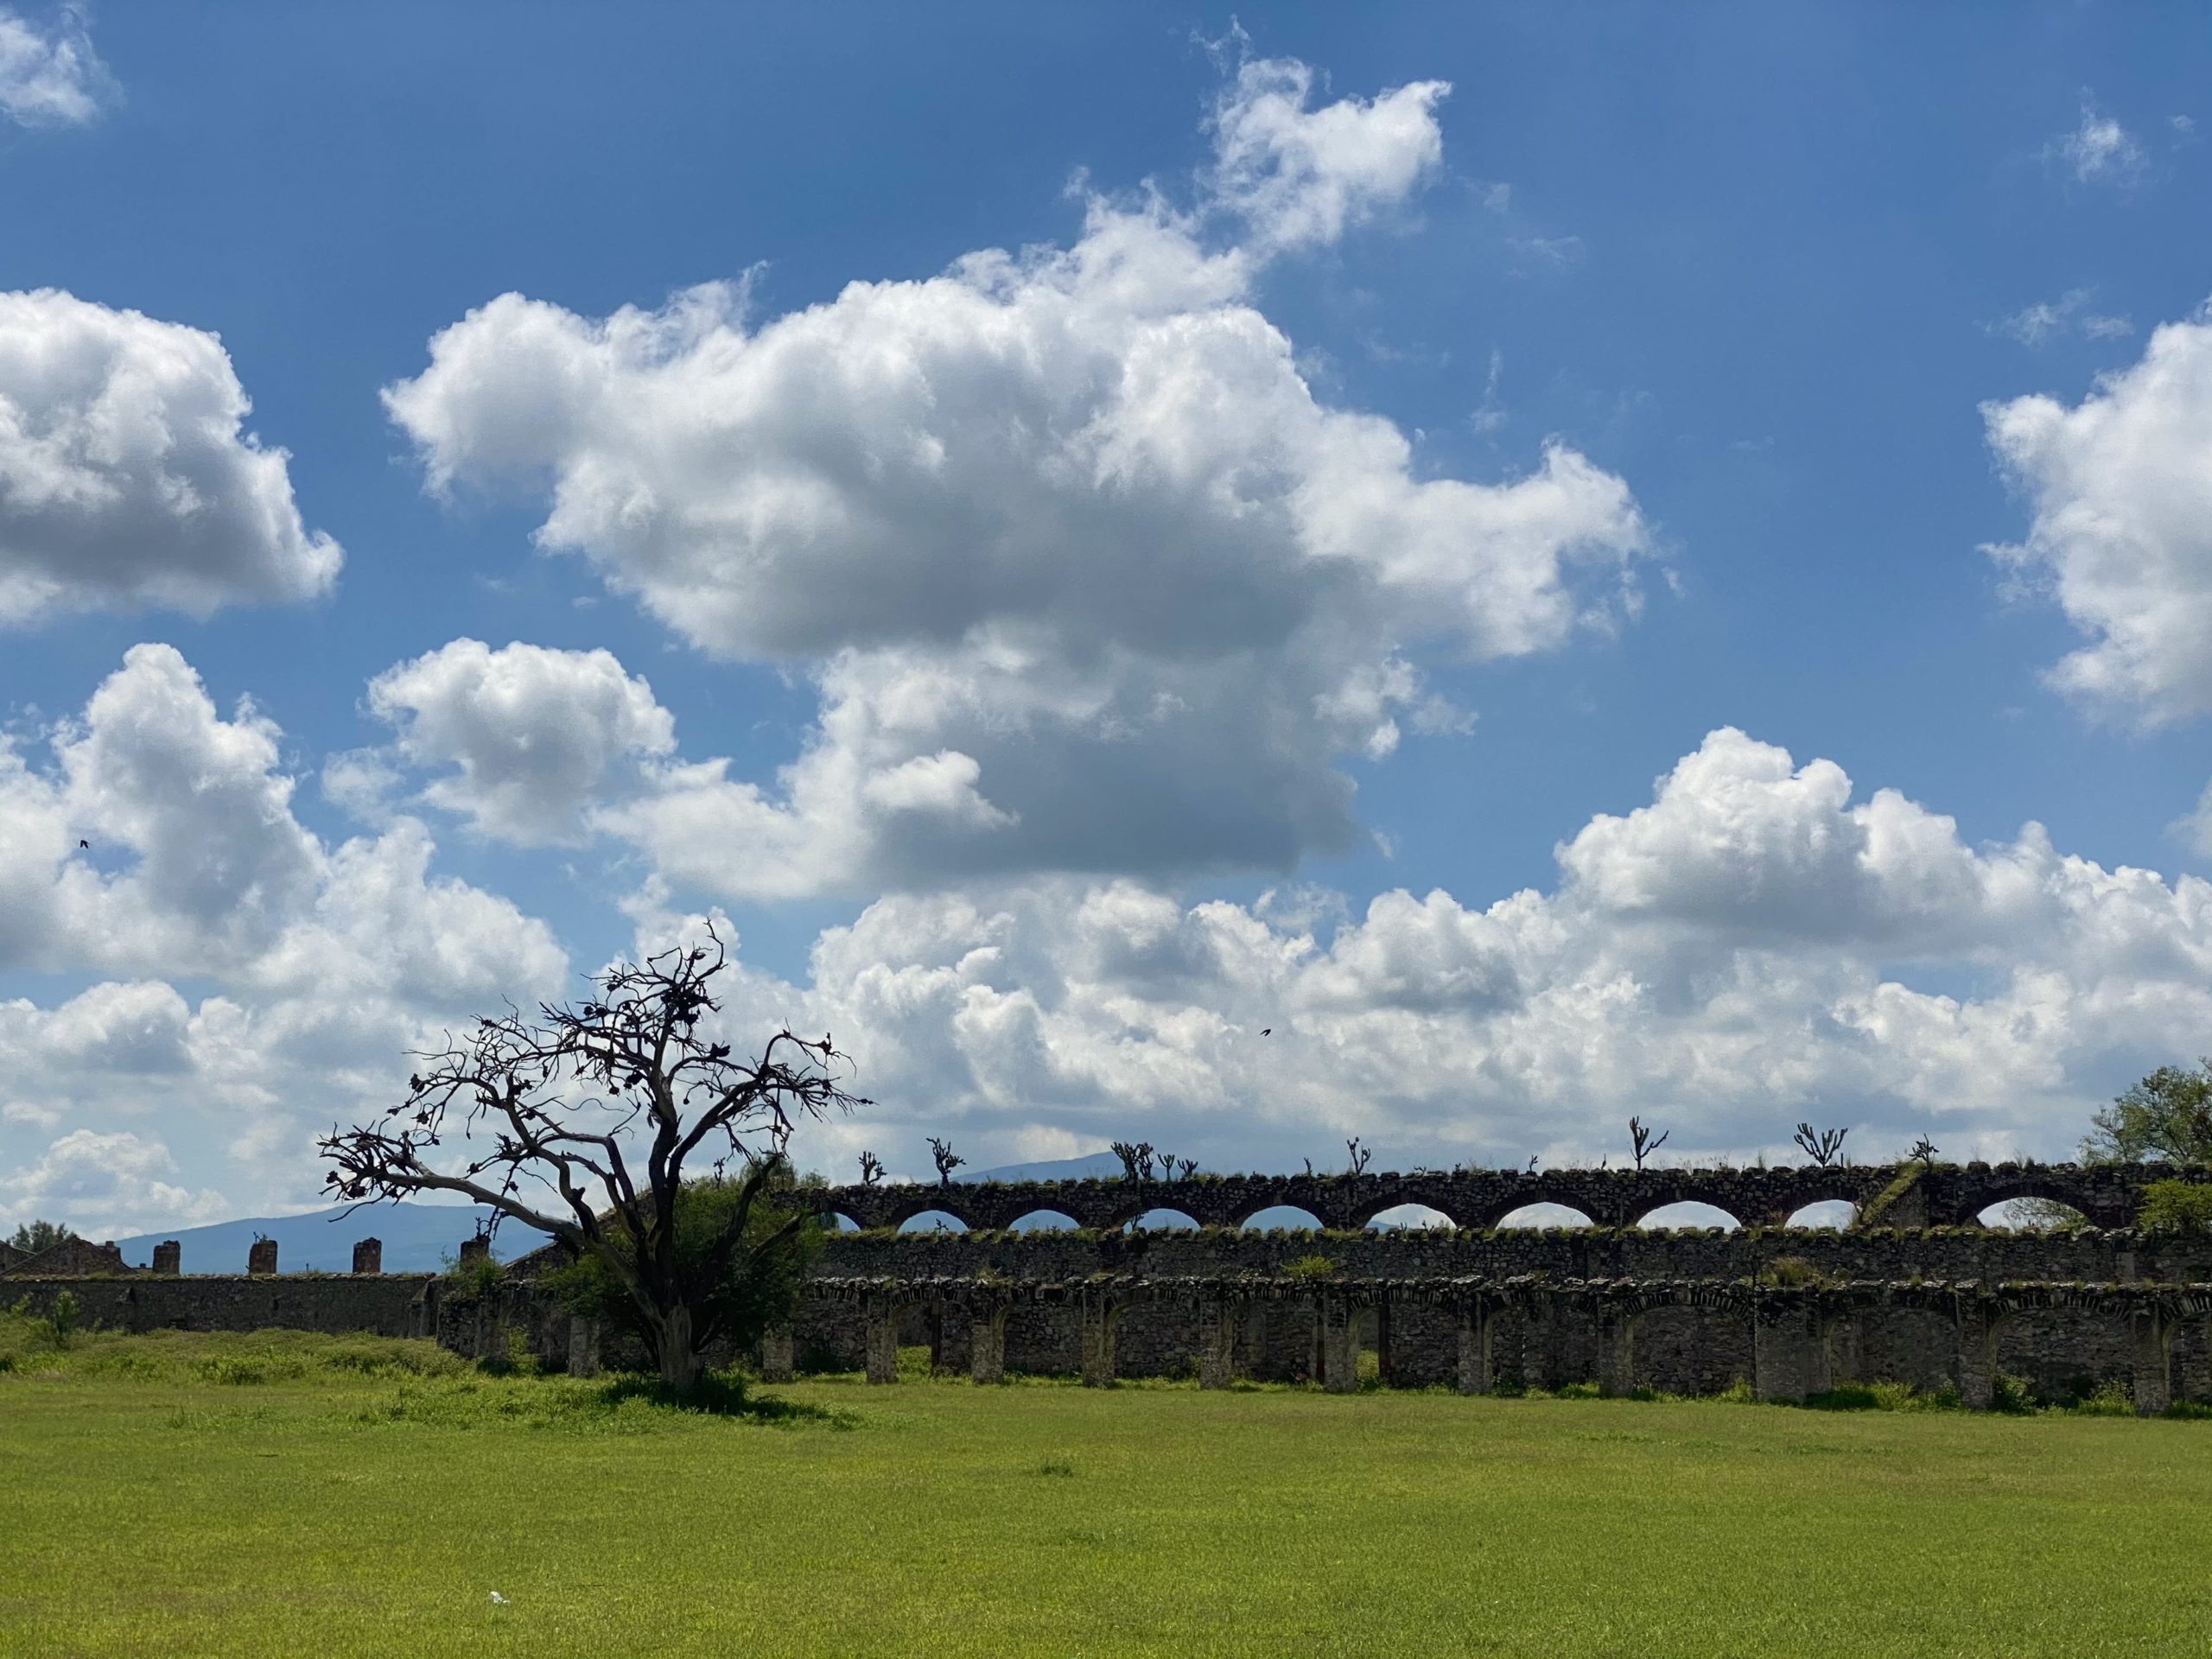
(284, 1493)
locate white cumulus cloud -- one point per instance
(1087, 576)
(1752, 947)
(2118, 488)
(126, 478)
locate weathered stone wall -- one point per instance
(2090, 1256)
(387, 1305)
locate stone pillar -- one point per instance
(1339, 1343)
(2154, 1389)
(882, 1342)
(1977, 1357)
(368, 1255)
(1789, 1357)
(1616, 1351)
(478, 1249)
(169, 1256)
(1098, 1343)
(1218, 1320)
(583, 1346)
(776, 1354)
(987, 1345)
(261, 1255)
(1474, 1376)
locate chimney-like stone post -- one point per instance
(583, 1346)
(987, 1344)
(368, 1255)
(2154, 1389)
(882, 1319)
(262, 1256)
(476, 1249)
(169, 1257)
(1217, 1319)
(1339, 1343)
(1474, 1374)
(775, 1355)
(1099, 1320)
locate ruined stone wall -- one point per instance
(2090, 1256)
(398, 1304)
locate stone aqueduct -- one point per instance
(1914, 1290)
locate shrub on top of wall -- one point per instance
(2175, 1208)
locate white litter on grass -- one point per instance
(497, 1597)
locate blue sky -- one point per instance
(1769, 283)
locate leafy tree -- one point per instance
(580, 1122)
(36, 1236)
(778, 1241)
(2167, 1117)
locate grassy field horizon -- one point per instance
(282, 1493)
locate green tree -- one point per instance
(36, 1236)
(2167, 1117)
(735, 1296)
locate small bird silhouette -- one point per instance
(1267, 1031)
(84, 846)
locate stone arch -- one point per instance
(2004, 1188)
(1290, 1218)
(1680, 1348)
(1899, 1343)
(839, 1222)
(1685, 1213)
(1164, 1218)
(1043, 1221)
(2002, 1217)
(1545, 1213)
(1524, 1195)
(1838, 1213)
(1416, 1217)
(904, 1204)
(932, 1220)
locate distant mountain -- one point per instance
(417, 1238)
(1054, 1169)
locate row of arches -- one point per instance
(1406, 1216)
(1835, 1212)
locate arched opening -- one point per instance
(1838, 1213)
(1044, 1221)
(933, 1221)
(2031, 1215)
(1688, 1214)
(1287, 1217)
(1545, 1215)
(1162, 1221)
(841, 1222)
(1409, 1216)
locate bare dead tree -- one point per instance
(947, 1160)
(871, 1169)
(1190, 1167)
(1822, 1147)
(602, 1107)
(1925, 1153)
(1640, 1142)
(1136, 1159)
(1361, 1156)
(1166, 1166)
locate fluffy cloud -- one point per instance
(1301, 176)
(126, 478)
(1752, 947)
(1086, 575)
(106, 1185)
(250, 984)
(2119, 491)
(50, 77)
(534, 736)
(2098, 151)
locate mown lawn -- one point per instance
(301, 1495)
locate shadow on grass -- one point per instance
(719, 1393)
